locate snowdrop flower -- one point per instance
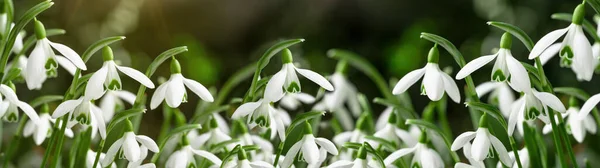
(107, 77)
(79, 110)
(113, 100)
(532, 105)
(506, 66)
(184, 157)
(482, 145)
(344, 94)
(523, 156)
(9, 107)
(501, 94)
(243, 162)
(596, 46)
(423, 155)
(20, 62)
(287, 80)
(212, 137)
(138, 163)
(383, 118)
(307, 148)
(435, 81)
(91, 158)
(42, 62)
(360, 161)
(173, 91)
(247, 139)
(43, 128)
(294, 100)
(575, 51)
(473, 163)
(128, 145)
(262, 114)
(357, 135)
(577, 125)
(393, 134)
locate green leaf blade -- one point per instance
(515, 31)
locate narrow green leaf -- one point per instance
(430, 126)
(531, 145)
(447, 45)
(587, 25)
(264, 61)
(233, 81)
(28, 43)
(163, 57)
(489, 109)
(385, 143)
(45, 99)
(407, 113)
(300, 118)
(120, 116)
(177, 131)
(515, 31)
(531, 70)
(352, 145)
(374, 152)
(12, 74)
(248, 148)
(216, 147)
(363, 65)
(595, 4)
(92, 49)
(204, 116)
(571, 91)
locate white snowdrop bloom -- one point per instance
(588, 106)
(9, 107)
(243, 162)
(596, 46)
(138, 163)
(287, 80)
(473, 163)
(184, 157)
(20, 62)
(113, 100)
(501, 94)
(79, 110)
(247, 139)
(435, 81)
(3, 23)
(506, 66)
(575, 50)
(292, 101)
(173, 91)
(577, 125)
(532, 105)
(42, 62)
(42, 129)
(383, 118)
(523, 156)
(91, 158)
(434, 138)
(393, 134)
(361, 161)
(212, 137)
(482, 145)
(307, 148)
(262, 114)
(344, 94)
(423, 155)
(357, 135)
(107, 77)
(128, 147)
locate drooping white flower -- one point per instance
(139, 163)
(262, 114)
(506, 66)
(501, 94)
(393, 134)
(130, 147)
(292, 101)
(435, 81)
(523, 156)
(361, 161)
(472, 162)
(91, 158)
(184, 157)
(243, 162)
(423, 155)
(212, 137)
(173, 91)
(575, 50)
(482, 145)
(266, 148)
(79, 110)
(532, 105)
(42, 62)
(9, 107)
(113, 100)
(357, 136)
(107, 77)
(287, 80)
(42, 129)
(577, 125)
(596, 46)
(307, 148)
(344, 94)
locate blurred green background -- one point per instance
(224, 36)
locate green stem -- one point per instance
(61, 137)
(98, 152)
(279, 150)
(515, 150)
(15, 141)
(567, 140)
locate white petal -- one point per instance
(125, 95)
(305, 98)
(159, 95)
(577, 129)
(245, 109)
(65, 107)
(260, 164)
(280, 128)
(342, 138)
(315, 77)
(209, 156)
(29, 128)
(70, 54)
(547, 129)
(40, 136)
(328, 145)
(408, 139)
(29, 111)
(589, 105)
(198, 89)
(264, 144)
(136, 75)
(274, 88)
(408, 80)
(501, 150)
(112, 152)
(98, 116)
(546, 41)
(397, 155)
(474, 65)
(36, 71)
(518, 109)
(450, 87)
(65, 63)
(8, 93)
(147, 142)
(481, 145)
(590, 125)
(583, 58)
(550, 52)
(519, 78)
(290, 156)
(176, 91)
(462, 139)
(462, 165)
(550, 100)
(485, 88)
(434, 86)
(341, 164)
(95, 86)
(131, 150)
(310, 149)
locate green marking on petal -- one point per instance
(415, 165)
(498, 76)
(83, 119)
(565, 63)
(262, 121)
(114, 85)
(12, 117)
(294, 87)
(191, 165)
(532, 113)
(566, 52)
(423, 91)
(51, 64)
